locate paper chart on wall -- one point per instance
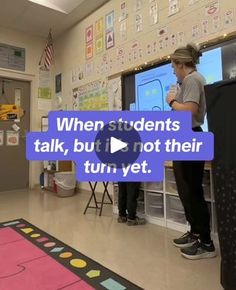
(44, 78)
(114, 94)
(229, 17)
(91, 97)
(216, 23)
(196, 31)
(138, 22)
(191, 2)
(138, 5)
(110, 20)
(154, 47)
(99, 27)
(135, 52)
(205, 27)
(88, 69)
(123, 30)
(153, 12)
(110, 41)
(89, 34)
(104, 66)
(162, 31)
(181, 38)
(44, 89)
(12, 138)
(99, 36)
(77, 74)
(120, 56)
(74, 75)
(212, 8)
(151, 48)
(161, 43)
(173, 39)
(89, 50)
(123, 11)
(173, 7)
(99, 45)
(164, 42)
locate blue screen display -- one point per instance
(152, 86)
(211, 65)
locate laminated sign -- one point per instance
(10, 112)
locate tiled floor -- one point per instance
(142, 254)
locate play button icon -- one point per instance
(119, 144)
(116, 145)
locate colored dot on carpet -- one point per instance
(27, 230)
(35, 235)
(49, 245)
(78, 263)
(65, 255)
(21, 226)
(40, 240)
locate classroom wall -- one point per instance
(34, 47)
(194, 22)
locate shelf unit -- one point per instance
(159, 202)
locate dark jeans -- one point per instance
(127, 199)
(189, 175)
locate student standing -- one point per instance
(197, 243)
(127, 203)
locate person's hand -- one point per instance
(170, 97)
(172, 94)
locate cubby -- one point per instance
(159, 202)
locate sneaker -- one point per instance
(122, 219)
(186, 240)
(135, 222)
(199, 251)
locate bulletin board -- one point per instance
(91, 97)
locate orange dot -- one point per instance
(65, 255)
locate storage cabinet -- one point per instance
(159, 202)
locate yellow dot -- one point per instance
(65, 255)
(35, 235)
(78, 263)
(27, 230)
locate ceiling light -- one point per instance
(64, 6)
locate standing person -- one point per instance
(127, 203)
(197, 243)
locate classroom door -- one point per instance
(14, 168)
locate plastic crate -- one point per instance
(153, 185)
(175, 204)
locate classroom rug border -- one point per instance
(95, 282)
